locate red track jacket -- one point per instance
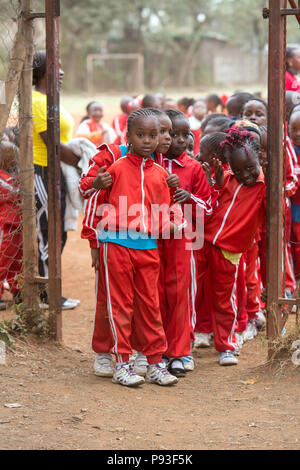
(192, 178)
(239, 211)
(107, 155)
(143, 182)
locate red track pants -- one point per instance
(203, 302)
(222, 275)
(290, 281)
(295, 239)
(129, 280)
(175, 295)
(248, 288)
(11, 255)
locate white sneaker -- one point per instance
(103, 365)
(239, 339)
(227, 358)
(260, 320)
(201, 340)
(74, 301)
(250, 332)
(158, 374)
(125, 375)
(140, 364)
(188, 363)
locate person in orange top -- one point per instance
(93, 129)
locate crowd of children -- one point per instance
(189, 273)
(176, 220)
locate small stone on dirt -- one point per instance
(12, 405)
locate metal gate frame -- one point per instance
(277, 311)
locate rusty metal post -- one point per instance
(276, 97)
(53, 152)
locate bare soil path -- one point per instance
(64, 406)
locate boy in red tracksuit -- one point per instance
(129, 270)
(11, 253)
(177, 287)
(240, 200)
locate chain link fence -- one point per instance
(11, 226)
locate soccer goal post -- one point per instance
(101, 59)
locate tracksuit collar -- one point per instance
(180, 161)
(138, 160)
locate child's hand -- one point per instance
(172, 181)
(105, 137)
(219, 172)
(103, 179)
(207, 170)
(181, 195)
(95, 253)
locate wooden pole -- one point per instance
(276, 96)
(30, 289)
(53, 152)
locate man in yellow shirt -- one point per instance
(39, 119)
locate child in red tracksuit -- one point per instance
(177, 287)
(130, 264)
(209, 149)
(294, 132)
(10, 220)
(240, 199)
(98, 178)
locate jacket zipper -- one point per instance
(143, 195)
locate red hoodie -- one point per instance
(10, 202)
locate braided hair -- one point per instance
(239, 139)
(221, 123)
(176, 114)
(213, 143)
(143, 112)
(156, 112)
(208, 118)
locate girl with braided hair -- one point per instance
(126, 258)
(239, 198)
(98, 178)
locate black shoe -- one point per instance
(177, 371)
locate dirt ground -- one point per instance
(65, 406)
